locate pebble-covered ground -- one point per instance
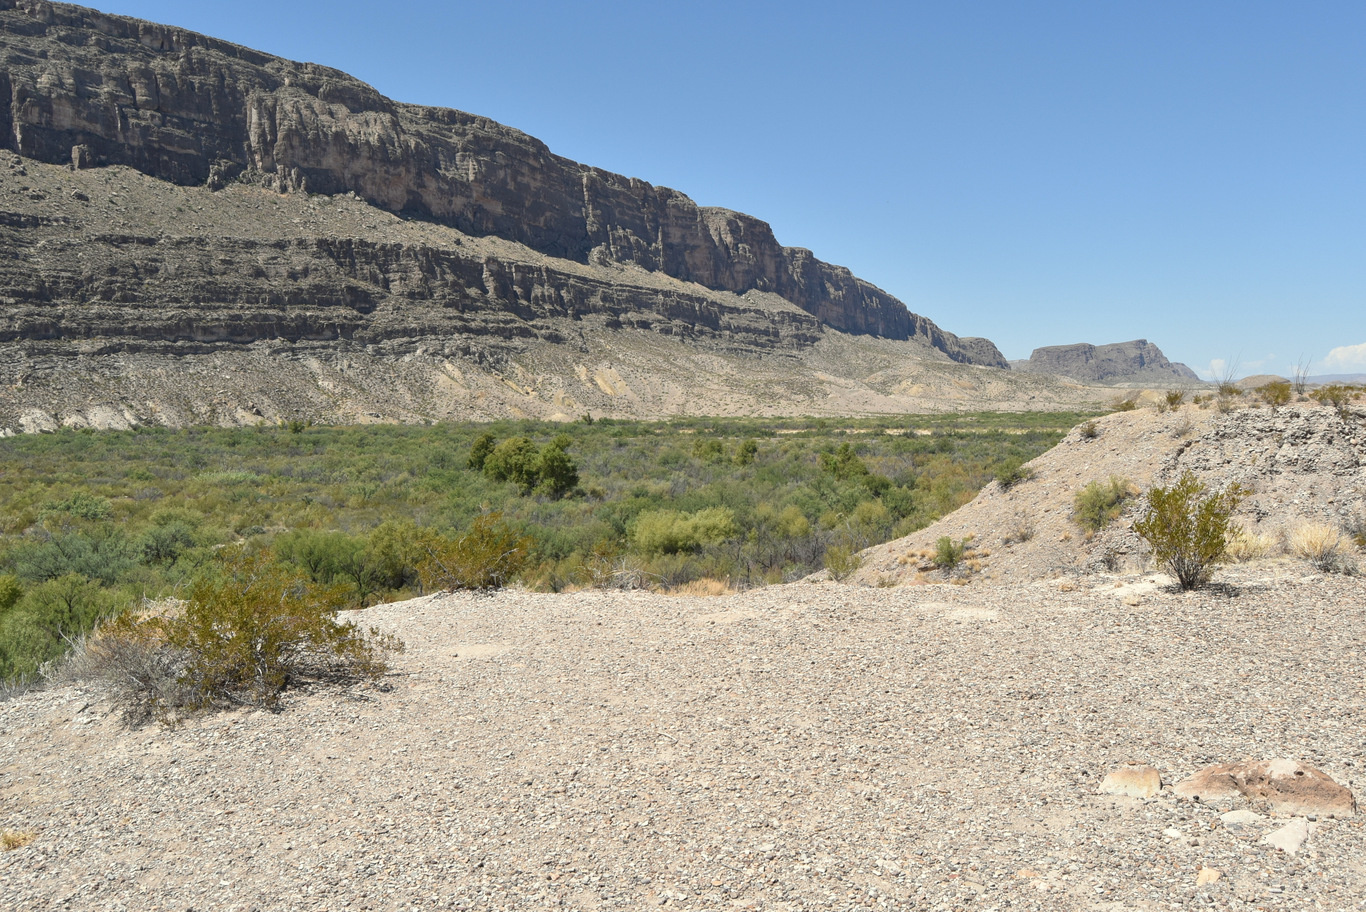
(811, 746)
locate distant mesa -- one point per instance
(1136, 361)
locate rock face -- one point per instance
(1136, 360)
(88, 90)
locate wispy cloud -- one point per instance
(1347, 357)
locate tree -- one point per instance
(556, 473)
(1189, 531)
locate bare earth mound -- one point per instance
(808, 746)
(1303, 464)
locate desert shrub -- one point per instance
(1124, 404)
(1323, 546)
(673, 532)
(242, 637)
(1189, 531)
(1173, 398)
(1012, 473)
(1099, 503)
(1275, 393)
(948, 553)
(1088, 430)
(842, 561)
(488, 556)
(1337, 395)
(746, 452)
(1022, 532)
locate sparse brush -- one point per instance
(1088, 430)
(1323, 546)
(1124, 404)
(1173, 398)
(1022, 532)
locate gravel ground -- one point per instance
(811, 746)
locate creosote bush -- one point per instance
(243, 636)
(488, 556)
(948, 553)
(1189, 531)
(1099, 503)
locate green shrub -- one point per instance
(1012, 473)
(948, 553)
(480, 450)
(1099, 503)
(1088, 430)
(746, 452)
(10, 591)
(46, 617)
(244, 635)
(673, 532)
(556, 473)
(1125, 404)
(842, 561)
(515, 460)
(1173, 398)
(1275, 393)
(488, 556)
(1188, 531)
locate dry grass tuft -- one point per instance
(707, 587)
(16, 839)
(1323, 546)
(1249, 546)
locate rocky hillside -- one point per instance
(92, 91)
(1303, 464)
(1139, 361)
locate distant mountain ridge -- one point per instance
(92, 90)
(1139, 360)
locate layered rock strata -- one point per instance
(90, 90)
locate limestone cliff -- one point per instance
(91, 90)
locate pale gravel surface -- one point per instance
(808, 746)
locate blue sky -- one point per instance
(1037, 173)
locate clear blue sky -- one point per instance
(1040, 173)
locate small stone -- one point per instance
(1240, 818)
(1207, 876)
(1136, 780)
(1288, 838)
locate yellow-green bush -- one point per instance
(1188, 530)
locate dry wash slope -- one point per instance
(1302, 464)
(809, 746)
